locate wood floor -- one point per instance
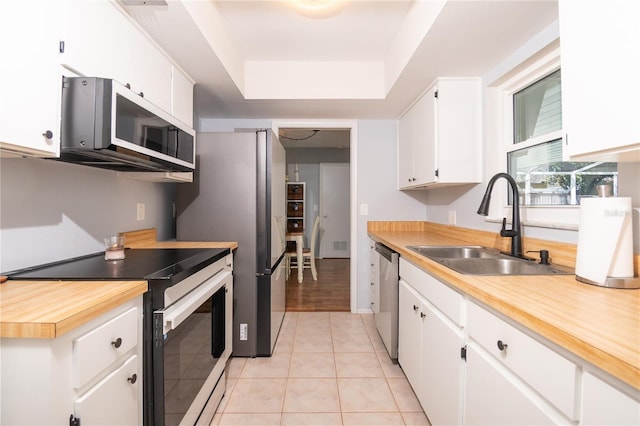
(329, 293)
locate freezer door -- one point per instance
(271, 308)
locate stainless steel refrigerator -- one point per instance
(238, 194)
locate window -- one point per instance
(534, 158)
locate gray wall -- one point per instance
(53, 210)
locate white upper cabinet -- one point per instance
(182, 97)
(30, 87)
(100, 40)
(600, 48)
(440, 136)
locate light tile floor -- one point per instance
(327, 369)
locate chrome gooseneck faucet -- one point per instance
(515, 232)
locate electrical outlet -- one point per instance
(244, 333)
(140, 214)
(452, 217)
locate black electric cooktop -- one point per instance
(171, 265)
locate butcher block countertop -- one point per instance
(48, 309)
(600, 325)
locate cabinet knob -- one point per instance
(502, 346)
(413, 179)
(422, 315)
(133, 378)
(415, 308)
(117, 343)
(48, 134)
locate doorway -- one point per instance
(310, 149)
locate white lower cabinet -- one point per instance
(429, 346)
(92, 373)
(549, 374)
(603, 404)
(492, 397)
(509, 375)
(113, 401)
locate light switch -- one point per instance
(140, 211)
(364, 209)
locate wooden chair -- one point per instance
(308, 254)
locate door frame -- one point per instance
(352, 125)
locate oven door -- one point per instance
(190, 353)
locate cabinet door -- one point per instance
(409, 334)
(602, 404)
(458, 142)
(31, 83)
(442, 367)
(101, 41)
(405, 150)
(600, 84)
(374, 277)
(115, 400)
(494, 398)
(182, 99)
(424, 143)
(416, 156)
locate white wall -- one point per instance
(377, 165)
(53, 210)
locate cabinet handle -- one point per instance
(422, 315)
(502, 346)
(133, 378)
(117, 343)
(413, 179)
(415, 308)
(48, 134)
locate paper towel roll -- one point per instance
(605, 240)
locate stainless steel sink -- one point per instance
(456, 252)
(501, 266)
(479, 260)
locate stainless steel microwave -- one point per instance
(107, 125)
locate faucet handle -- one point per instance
(504, 232)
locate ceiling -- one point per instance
(356, 59)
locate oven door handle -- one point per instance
(173, 316)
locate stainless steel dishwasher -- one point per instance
(386, 311)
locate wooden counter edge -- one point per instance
(105, 306)
(51, 330)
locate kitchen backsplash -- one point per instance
(52, 210)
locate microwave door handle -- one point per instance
(175, 314)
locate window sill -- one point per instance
(539, 224)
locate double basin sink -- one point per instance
(478, 260)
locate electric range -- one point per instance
(195, 281)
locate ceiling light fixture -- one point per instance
(317, 8)
(300, 139)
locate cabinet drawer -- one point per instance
(115, 400)
(442, 296)
(552, 375)
(104, 345)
